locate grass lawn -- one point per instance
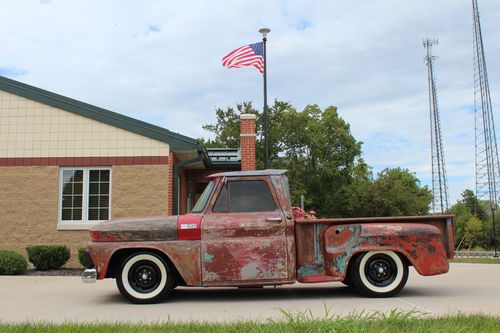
(477, 260)
(397, 322)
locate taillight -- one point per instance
(95, 235)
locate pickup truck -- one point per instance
(242, 233)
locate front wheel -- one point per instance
(379, 273)
(145, 278)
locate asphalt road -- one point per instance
(467, 288)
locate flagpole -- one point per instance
(264, 32)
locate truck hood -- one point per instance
(155, 228)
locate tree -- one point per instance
(227, 128)
(399, 193)
(468, 210)
(475, 207)
(474, 235)
(324, 162)
(315, 145)
(462, 216)
(395, 192)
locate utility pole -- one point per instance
(487, 167)
(439, 180)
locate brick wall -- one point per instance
(140, 190)
(172, 160)
(29, 203)
(183, 191)
(247, 141)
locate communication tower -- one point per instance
(487, 167)
(439, 182)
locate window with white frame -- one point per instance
(84, 195)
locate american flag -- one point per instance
(247, 55)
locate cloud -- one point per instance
(11, 72)
(161, 62)
(154, 28)
(303, 24)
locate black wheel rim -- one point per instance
(381, 270)
(144, 276)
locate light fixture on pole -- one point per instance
(264, 32)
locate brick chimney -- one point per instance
(247, 141)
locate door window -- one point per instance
(245, 196)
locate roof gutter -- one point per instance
(177, 166)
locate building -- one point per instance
(66, 165)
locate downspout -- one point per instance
(177, 166)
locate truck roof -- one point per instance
(267, 172)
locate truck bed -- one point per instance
(325, 246)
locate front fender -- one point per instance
(420, 243)
(184, 255)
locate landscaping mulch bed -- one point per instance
(56, 272)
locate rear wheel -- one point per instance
(379, 273)
(145, 278)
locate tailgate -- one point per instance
(450, 237)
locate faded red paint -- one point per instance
(270, 248)
(234, 262)
(245, 247)
(189, 227)
(154, 228)
(326, 246)
(184, 254)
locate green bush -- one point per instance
(84, 259)
(46, 257)
(12, 263)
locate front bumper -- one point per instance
(89, 275)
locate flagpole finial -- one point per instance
(264, 32)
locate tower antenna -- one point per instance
(439, 181)
(487, 167)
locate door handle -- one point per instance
(274, 219)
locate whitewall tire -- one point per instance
(379, 273)
(145, 278)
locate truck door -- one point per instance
(243, 237)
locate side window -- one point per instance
(245, 196)
(84, 195)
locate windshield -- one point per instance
(202, 202)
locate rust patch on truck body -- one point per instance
(157, 233)
(423, 241)
(248, 248)
(155, 228)
(185, 255)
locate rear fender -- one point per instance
(421, 244)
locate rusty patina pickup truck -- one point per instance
(242, 232)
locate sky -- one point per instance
(160, 61)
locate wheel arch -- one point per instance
(405, 257)
(121, 254)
